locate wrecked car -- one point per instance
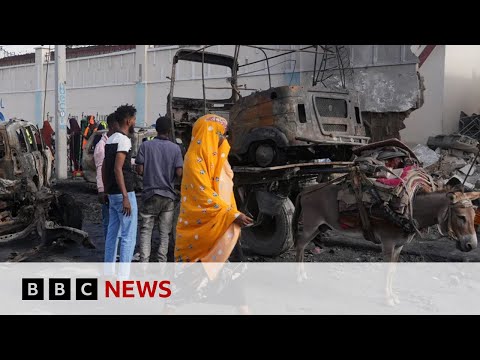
(28, 204)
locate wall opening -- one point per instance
(302, 116)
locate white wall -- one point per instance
(99, 84)
(462, 84)
(16, 91)
(95, 85)
(452, 80)
(427, 121)
(24, 105)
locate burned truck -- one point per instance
(28, 204)
(282, 139)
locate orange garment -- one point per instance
(205, 228)
(89, 130)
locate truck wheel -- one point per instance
(274, 236)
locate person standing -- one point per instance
(160, 162)
(75, 133)
(119, 179)
(103, 125)
(99, 156)
(47, 133)
(209, 223)
(89, 130)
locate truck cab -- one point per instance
(276, 126)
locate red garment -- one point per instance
(395, 181)
(47, 133)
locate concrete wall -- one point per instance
(98, 84)
(427, 120)
(16, 91)
(386, 78)
(462, 84)
(95, 85)
(452, 80)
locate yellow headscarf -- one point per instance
(204, 216)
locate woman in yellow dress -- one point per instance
(209, 223)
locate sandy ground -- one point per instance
(335, 248)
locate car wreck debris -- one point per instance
(28, 204)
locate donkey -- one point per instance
(452, 211)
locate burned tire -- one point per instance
(265, 154)
(274, 236)
(69, 212)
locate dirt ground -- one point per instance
(334, 248)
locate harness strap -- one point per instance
(357, 188)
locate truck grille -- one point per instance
(335, 127)
(331, 107)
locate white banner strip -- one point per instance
(262, 288)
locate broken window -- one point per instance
(21, 141)
(216, 77)
(326, 107)
(30, 139)
(357, 115)
(37, 138)
(302, 116)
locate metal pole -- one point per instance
(60, 113)
(471, 166)
(203, 84)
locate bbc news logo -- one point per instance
(87, 289)
(59, 289)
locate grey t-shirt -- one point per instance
(160, 158)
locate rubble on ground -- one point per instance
(426, 155)
(450, 158)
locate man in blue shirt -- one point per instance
(160, 162)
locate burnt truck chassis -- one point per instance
(268, 196)
(277, 137)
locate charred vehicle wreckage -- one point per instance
(282, 138)
(293, 128)
(28, 203)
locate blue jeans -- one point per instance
(121, 227)
(105, 219)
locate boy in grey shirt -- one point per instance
(159, 161)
